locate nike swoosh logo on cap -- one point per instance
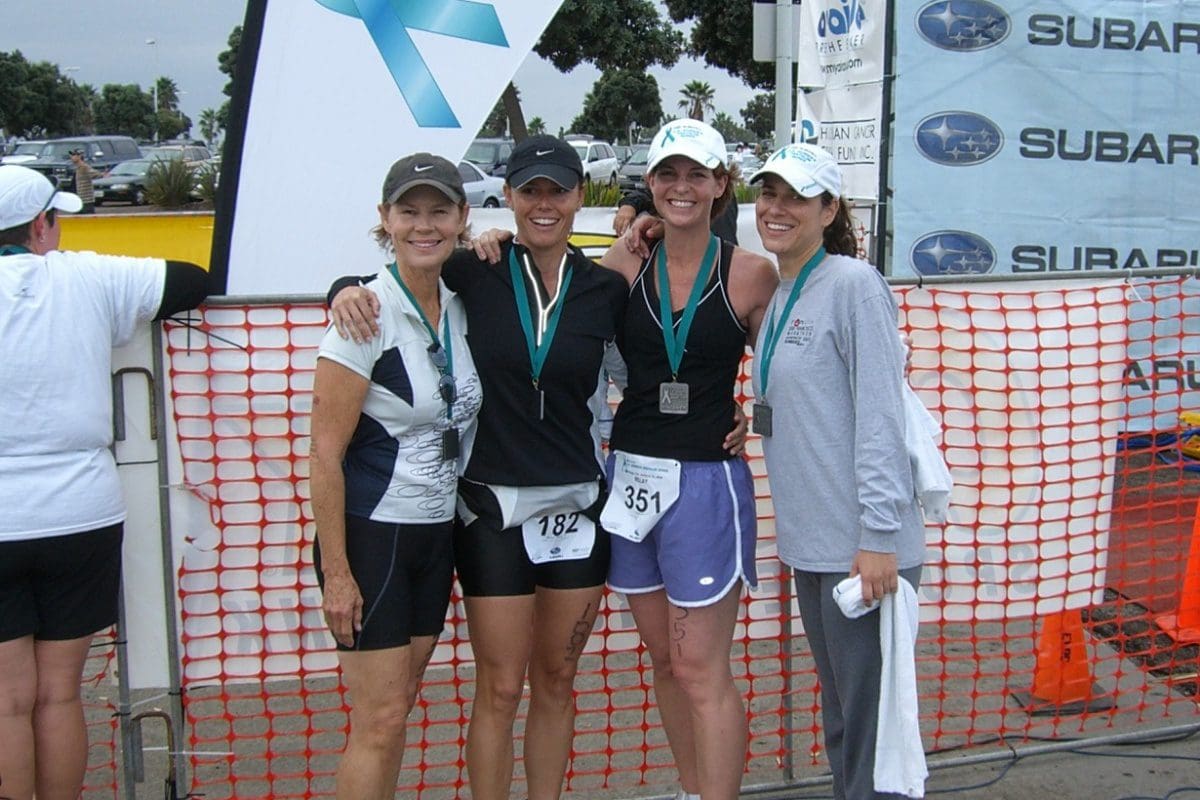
(422, 169)
(544, 152)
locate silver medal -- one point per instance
(761, 419)
(672, 397)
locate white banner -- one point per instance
(841, 42)
(846, 122)
(342, 88)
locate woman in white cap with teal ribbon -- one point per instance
(828, 378)
(681, 508)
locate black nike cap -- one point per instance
(544, 157)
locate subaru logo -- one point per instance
(958, 138)
(952, 253)
(963, 25)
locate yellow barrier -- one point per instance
(185, 236)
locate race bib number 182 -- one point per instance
(559, 536)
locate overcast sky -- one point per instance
(104, 41)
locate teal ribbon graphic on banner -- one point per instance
(388, 22)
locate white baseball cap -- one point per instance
(25, 193)
(807, 168)
(689, 138)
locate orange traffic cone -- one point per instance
(1062, 677)
(1184, 625)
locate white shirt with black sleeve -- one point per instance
(393, 466)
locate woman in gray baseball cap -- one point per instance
(61, 315)
(390, 418)
(530, 555)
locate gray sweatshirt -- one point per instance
(838, 468)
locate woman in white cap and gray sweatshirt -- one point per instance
(828, 377)
(61, 315)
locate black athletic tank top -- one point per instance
(715, 347)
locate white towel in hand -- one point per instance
(848, 594)
(899, 756)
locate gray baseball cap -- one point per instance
(423, 169)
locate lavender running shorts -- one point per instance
(704, 543)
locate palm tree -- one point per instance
(168, 94)
(209, 125)
(697, 98)
(537, 126)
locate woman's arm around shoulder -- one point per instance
(620, 260)
(752, 282)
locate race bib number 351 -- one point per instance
(643, 490)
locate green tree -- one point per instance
(125, 109)
(498, 122)
(619, 100)
(209, 126)
(729, 129)
(168, 93)
(759, 115)
(635, 37)
(172, 123)
(169, 122)
(697, 98)
(89, 96)
(537, 126)
(227, 63)
(38, 100)
(722, 35)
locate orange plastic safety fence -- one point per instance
(99, 692)
(1055, 516)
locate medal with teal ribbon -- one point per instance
(441, 353)
(13, 250)
(538, 340)
(775, 325)
(673, 395)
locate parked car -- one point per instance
(192, 154)
(24, 152)
(125, 183)
(483, 190)
(599, 159)
(490, 155)
(632, 174)
(102, 152)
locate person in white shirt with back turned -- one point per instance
(61, 315)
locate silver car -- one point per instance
(23, 152)
(482, 190)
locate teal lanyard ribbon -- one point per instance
(775, 326)
(444, 342)
(675, 342)
(537, 352)
(13, 250)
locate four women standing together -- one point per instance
(532, 543)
